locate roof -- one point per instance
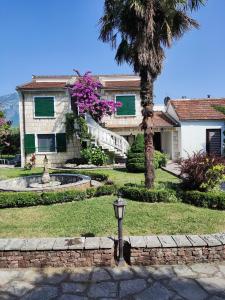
(160, 119)
(33, 85)
(109, 82)
(198, 109)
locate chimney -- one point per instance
(208, 96)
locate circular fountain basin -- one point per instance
(59, 182)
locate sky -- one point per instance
(49, 37)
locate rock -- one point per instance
(156, 291)
(103, 289)
(129, 287)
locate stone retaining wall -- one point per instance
(100, 251)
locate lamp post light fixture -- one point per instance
(119, 209)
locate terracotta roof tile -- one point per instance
(33, 85)
(122, 84)
(198, 109)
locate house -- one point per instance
(180, 126)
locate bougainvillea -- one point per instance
(86, 98)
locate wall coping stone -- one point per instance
(94, 243)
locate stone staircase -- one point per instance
(107, 140)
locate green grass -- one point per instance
(120, 176)
(95, 217)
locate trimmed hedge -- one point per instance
(214, 200)
(136, 157)
(142, 194)
(23, 199)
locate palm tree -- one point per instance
(145, 28)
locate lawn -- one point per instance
(95, 217)
(119, 176)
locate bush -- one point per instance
(22, 199)
(136, 157)
(201, 172)
(142, 194)
(94, 155)
(213, 199)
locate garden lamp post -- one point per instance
(119, 209)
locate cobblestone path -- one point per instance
(194, 282)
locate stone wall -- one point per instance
(101, 251)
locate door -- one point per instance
(157, 141)
(213, 142)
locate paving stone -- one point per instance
(222, 269)
(167, 241)
(216, 298)
(14, 244)
(70, 287)
(71, 297)
(156, 291)
(141, 271)
(106, 243)
(213, 284)
(76, 243)
(8, 275)
(121, 273)
(211, 240)
(162, 272)
(6, 296)
(130, 287)
(42, 293)
(100, 275)
(196, 240)
(17, 288)
(46, 244)
(103, 289)
(184, 271)
(30, 275)
(3, 243)
(152, 241)
(80, 275)
(137, 242)
(30, 244)
(188, 289)
(92, 243)
(55, 278)
(208, 269)
(181, 241)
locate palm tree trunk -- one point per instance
(146, 94)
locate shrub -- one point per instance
(94, 155)
(201, 172)
(205, 199)
(22, 199)
(136, 156)
(142, 194)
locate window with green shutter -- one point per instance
(29, 143)
(44, 107)
(46, 143)
(128, 105)
(61, 142)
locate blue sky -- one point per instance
(55, 36)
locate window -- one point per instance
(44, 107)
(128, 105)
(46, 142)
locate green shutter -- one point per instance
(61, 142)
(29, 143)
(128, 105)
(44, 106)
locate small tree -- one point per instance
(86, 98)
(4, 131)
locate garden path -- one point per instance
(194, 282)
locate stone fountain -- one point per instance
(46, 182)
(45, 178)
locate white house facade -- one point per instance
(180, 126)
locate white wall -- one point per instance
(193, 135)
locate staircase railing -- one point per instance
(103, 136)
